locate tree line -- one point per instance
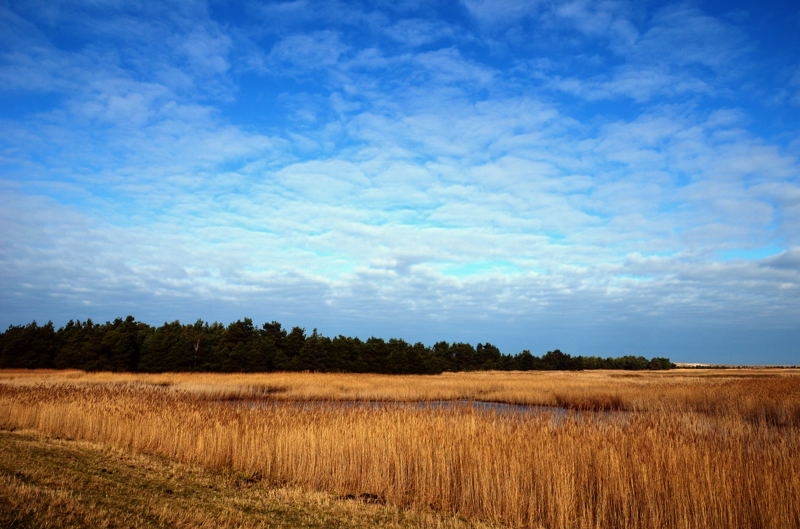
(130, 345)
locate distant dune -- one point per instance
(692, 364)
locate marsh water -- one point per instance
(480, 406)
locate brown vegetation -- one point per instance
(688, 448)
(59, 484)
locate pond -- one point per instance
(519, 411)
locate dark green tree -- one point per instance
(525, 361)
(464, 357)
(81, 347)
(167, 348)
(240, 348)
(315, 353)
(443, 359)
(122, 343)
(29, 346)
(559, 360)
(295, 341)
(128, 345)
(487, 356)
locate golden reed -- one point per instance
(688, 449)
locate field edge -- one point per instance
(69, 484)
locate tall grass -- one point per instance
(692, 449)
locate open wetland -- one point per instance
(612, 449)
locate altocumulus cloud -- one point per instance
(606, 178)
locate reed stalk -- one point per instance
(648, 451)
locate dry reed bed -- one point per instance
(693, 456)
(771, 393)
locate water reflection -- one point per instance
(511, 410)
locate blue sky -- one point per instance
(604, 177)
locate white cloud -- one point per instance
(496, 12)
(447, 66)
(679, 51)
(402, 185)
(418, 32)
(794, 90)
(680, 35)
(606, 19)
(207, 52)
(306, 52)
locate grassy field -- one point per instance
(682, 449)
(60, 484)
